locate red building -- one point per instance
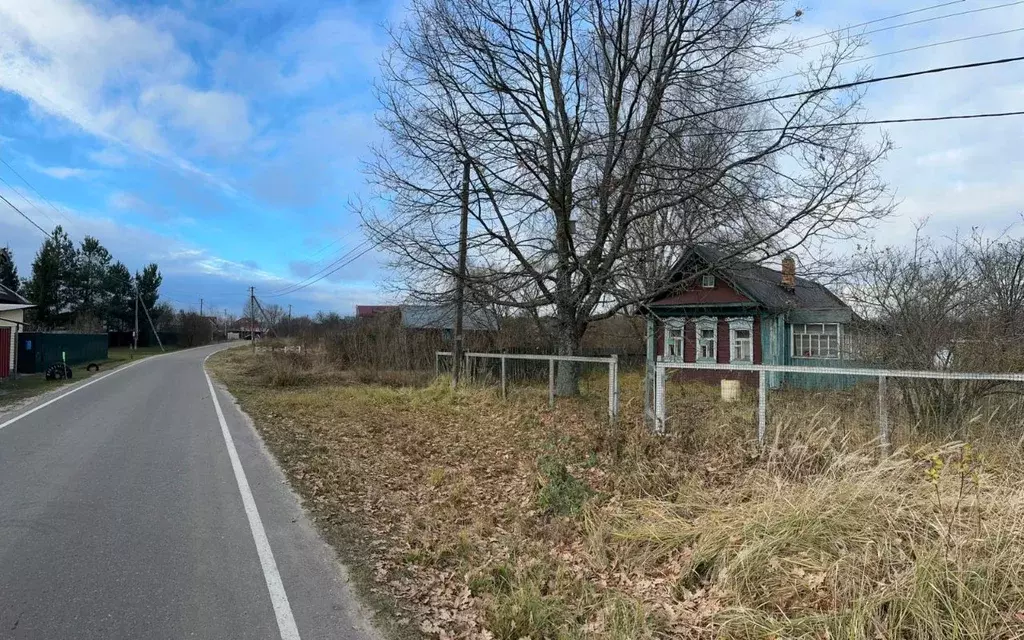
(374, 310)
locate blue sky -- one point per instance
(223, 140)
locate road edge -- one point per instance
(357, 608)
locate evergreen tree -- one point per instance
(149, 282)
(52, 285)
(120, 310)
(91, 295)
(8, 272)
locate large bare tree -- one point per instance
(604, 138)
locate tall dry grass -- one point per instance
(528, 522)
(821, 539)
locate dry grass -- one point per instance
(481, 518)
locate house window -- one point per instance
(741, 340)
(708, 282)
(707, 339)
(674, 339)
(815, 340)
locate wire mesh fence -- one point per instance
(510, 370)
(892, 407)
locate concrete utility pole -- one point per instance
(460, 285)
(135, 335)
(252, 317)
(156, 335)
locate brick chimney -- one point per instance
(788, 273)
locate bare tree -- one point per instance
(604, 139)
(954, 304)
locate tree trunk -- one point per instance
(569, 337)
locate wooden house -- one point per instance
(738, 312)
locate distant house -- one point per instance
(442, 317)
(374, 310)
(738, 312)
(244, 329)
(12, 320)
(433, 318)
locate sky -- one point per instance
(224, 140)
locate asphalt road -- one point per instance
(123, 515)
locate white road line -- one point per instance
(73, 390)
(283, 611)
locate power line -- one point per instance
(36, 191)
(27, 201)
(33, 222)
(334, 270)
(319, 266)
(907, 50)
(972, 116)
(326, 271)
(834, 87)
(826, 125)
(286, 289)
(877, 20)
(924, 20)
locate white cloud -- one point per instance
(63, 173)
(108, 157)
(335, 47)
(218, 121)
(130, 202)
(96, 70)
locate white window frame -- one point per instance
(707, 281)
(740, 324)
(705, 323)
(839, 340)
(675, 324)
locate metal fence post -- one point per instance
(659, 398)
(613, 388)
(503, 392)
(615, 364)
(762, 408)
(551, 383)
(883, 416)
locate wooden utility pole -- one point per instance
(460, 285)
(200, 307)
(289, 320)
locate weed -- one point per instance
(561, 493)
(525, 612)
(437, 476)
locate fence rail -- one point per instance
(611, 361)
(881, 375)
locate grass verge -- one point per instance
(466, 516)
(26, 386)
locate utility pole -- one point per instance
(289, 321)
(200, 307)
(135, 335)
(252, 317)
(150, 319)
(460, 285)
